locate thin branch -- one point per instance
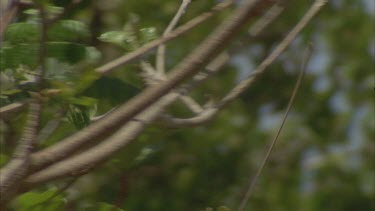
(274, 141)
(160, 55)
(107, 68)
(241, 87)
(266, 19)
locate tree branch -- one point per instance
(210, 47)
(160, 55)
(251, 187)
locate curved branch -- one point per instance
(251, 187)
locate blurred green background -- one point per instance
(324, 160)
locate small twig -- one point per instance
(107, 68)
(274, 141)
(160, 55)
(266, 19)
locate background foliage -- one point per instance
(324, 160)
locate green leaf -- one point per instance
(34, 201)
(22, 33)
(147, 34)
(28, 54)
(18, 54)
(119, 38)
(68, 30)
(78, 116)
(10, 91)
(66, 51)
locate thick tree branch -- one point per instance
(90, 158)
(87, 160)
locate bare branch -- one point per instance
(243, 85)
(160, 55)
(273, 142)
(266, 19)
